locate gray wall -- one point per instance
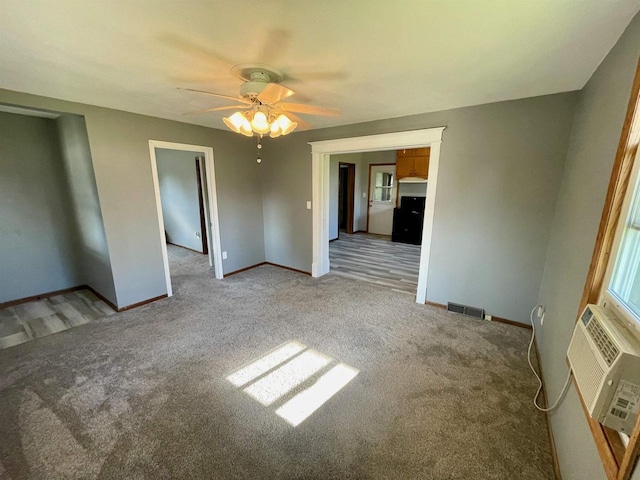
(500, 170)
(594, 140)
(412, 189)
(37, 237)
(90, 237)
(120, 150)
(179, 194)
(286, 187)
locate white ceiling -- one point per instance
(371, 59)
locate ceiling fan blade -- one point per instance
(301, 123)
(273, 93)
(197, 50)
(198, 78)
(309, 109)
(275, 45)
(230, 107)
(235, 99)
(297, 77)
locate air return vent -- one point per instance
(465, 310)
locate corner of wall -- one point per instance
(595, 133)
(83, 197)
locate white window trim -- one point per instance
(320, 155)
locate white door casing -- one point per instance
(213, 225)
(382, 199)
(320, 157)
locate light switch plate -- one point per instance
(308, 205)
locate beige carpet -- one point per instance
(145, 394)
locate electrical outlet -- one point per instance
(197, 234)
(540, 314)
(224, 255)
(488, 317)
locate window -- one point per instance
(623, 278)
(383, 187)
(612, 277)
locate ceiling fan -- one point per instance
(261, 96)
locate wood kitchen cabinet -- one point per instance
(412, 162)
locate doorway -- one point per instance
(320, 155)
(346, 190)
(205, 222)
(181, 180)
(371, 254)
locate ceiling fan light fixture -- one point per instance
(286, 124)
(261, 100)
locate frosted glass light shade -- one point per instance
(286, 125)
(259, 124)
(239, 124)
(276, 131)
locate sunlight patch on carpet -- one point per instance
(275, 375)
(266, 363)
(296, 410)
(281, 381)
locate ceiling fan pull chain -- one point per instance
(259, 146)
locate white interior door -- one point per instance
(382, 198)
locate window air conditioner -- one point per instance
(605, 359)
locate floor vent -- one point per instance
(465, 310)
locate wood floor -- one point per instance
(376, 259)
(38, 318)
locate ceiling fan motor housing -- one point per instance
(256, 76)
(252, 89)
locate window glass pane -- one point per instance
(387, 179)
(625, 281)
(384, 179)
(378, 179)
(382, 194)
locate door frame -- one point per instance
(369, 188)
(203, 212)
(213, 227)
(321, 152)
(351, 188)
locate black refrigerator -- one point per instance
(407, 220)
